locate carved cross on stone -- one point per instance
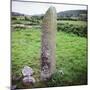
(48, 43)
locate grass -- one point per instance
(71, 57)
(25, 49)
(80, 23)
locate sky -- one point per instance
(31, 8)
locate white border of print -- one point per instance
(5, 35)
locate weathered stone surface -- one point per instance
(48, 43)
(27, 71)
(28, 80)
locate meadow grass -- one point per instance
(80, 23)
(71, 56)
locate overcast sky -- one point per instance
(31, 8)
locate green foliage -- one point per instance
(71, 28)
(17, 22)
(34, 21)
(26, 20)
(76, 27)
(80, 23)
(13, 18)
(55, 80)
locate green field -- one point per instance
(71, 57)
(80, 23)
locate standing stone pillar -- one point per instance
(48, 43)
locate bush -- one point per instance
(27, 18)
(75, 29)
(13, 18)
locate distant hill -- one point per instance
(17, 14)
(65, 15)
(72, 13)
(69, 13)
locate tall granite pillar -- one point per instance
(48, 44)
